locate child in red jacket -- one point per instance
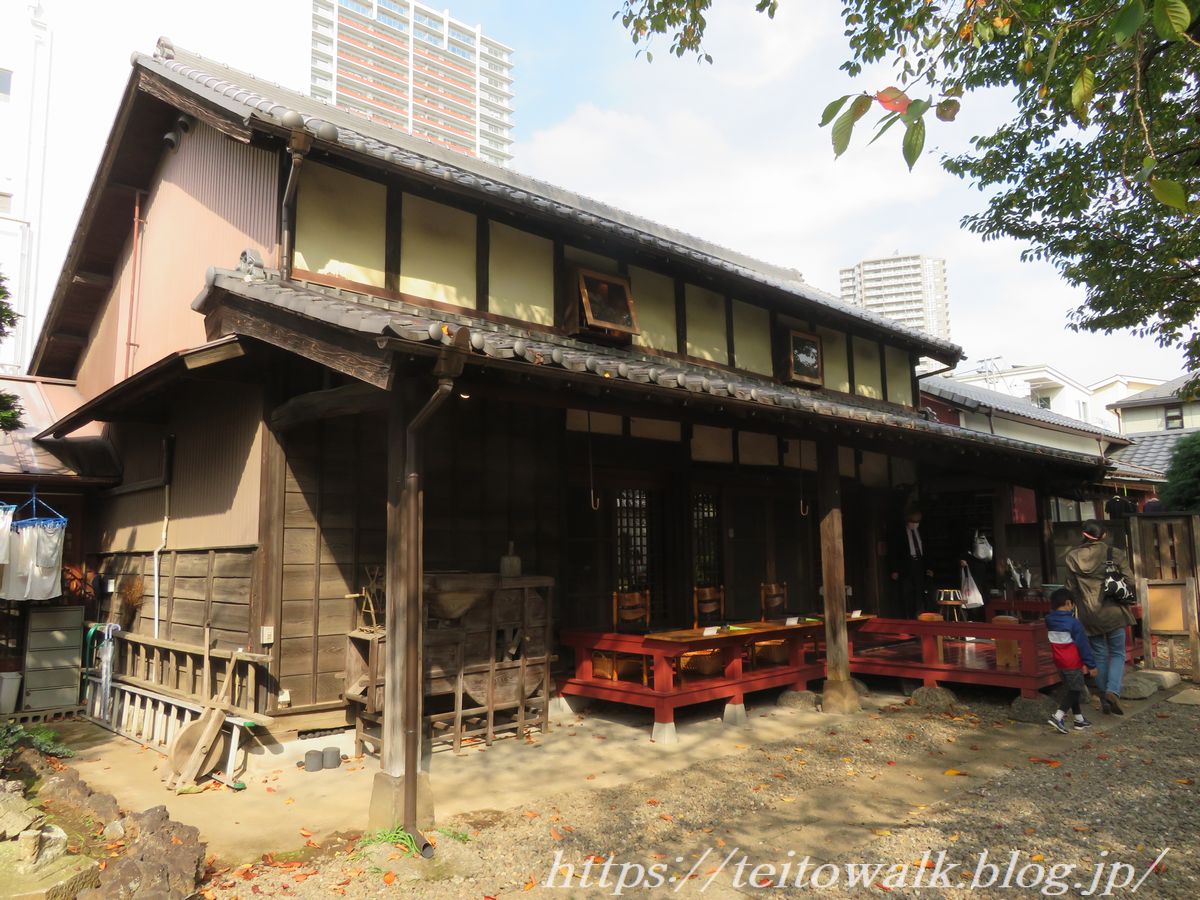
(1072, 656)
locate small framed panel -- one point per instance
(804, 358)
(607, 302)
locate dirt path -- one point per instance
(885, 787)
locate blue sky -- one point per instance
(730, 152)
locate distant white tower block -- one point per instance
(910, 290)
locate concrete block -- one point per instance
(387, 802)
(734, 714)
(564, 706)
(664, 733)
(1190, 697)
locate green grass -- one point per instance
(461, 836)
(396, 836)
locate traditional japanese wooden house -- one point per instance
(336, 360)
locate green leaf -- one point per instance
(843, 128)
(914, 142)
(1169, 193)
(1128, 21)
(916, 110)
(1083, 90)
(948, 109)
(832, 110)
(1171, 18)
(860, 106)
(887, 122)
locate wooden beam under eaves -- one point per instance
(92, 280)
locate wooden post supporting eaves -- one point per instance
(839, 694)
(392, 756)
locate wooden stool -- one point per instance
(1007, 655)
(950, 601)
(934, 617)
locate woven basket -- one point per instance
(702, 662)
(772, 652)
(629, 668)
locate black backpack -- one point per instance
(1116, 587)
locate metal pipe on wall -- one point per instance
(134, 279)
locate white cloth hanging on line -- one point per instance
(34, 555)
(12, 587)
(6, 517)
(45, 563)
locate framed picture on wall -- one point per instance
(804, 358)
(607, 302)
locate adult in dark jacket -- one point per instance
(1103, 620)
(910, 571)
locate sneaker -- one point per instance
(1114, 704)
(1060, 725)
(1081, 724)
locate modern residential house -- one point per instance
(911, 290)
(25, 50)
(361, 377)
(1048, 388)
(1155, 420)
(415, 69)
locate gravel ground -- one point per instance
(884, 786)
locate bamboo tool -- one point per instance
(197, 749)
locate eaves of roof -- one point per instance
(421, 327)
(253, 102)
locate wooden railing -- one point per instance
(185, 672)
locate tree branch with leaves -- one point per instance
(10, 406)
(1096, 170)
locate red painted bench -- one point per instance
(667, 691)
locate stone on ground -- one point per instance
(1138, 687)
(1163, 678)
(938, 699)
(798, 700)
(1033, 709)
(1190, 697)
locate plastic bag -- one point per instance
(981, 548)
(972, 597)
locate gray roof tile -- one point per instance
(1164, 393)
(1152, 450)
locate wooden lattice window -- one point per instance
(706, 539)
(632, 510)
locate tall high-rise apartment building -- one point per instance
(906, 289)
(415, 69)
(24, 113)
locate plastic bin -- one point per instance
(10, 688)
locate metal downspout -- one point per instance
(412, 560)
(298, 145)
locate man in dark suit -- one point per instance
(910, 571)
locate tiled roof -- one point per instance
(378, 316)
(249, 98)
(1152, 450)
(1160, 393)
(969, 395)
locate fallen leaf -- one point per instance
(891, 762)
(530, 814)
(882, 832)
(652, 802)
(529, 885)
(555, 834)
(1184, 781)
(1031, 831)
(1052, 763)
(312, 844)
(304, 832)
(590, 778)
(666, 817)
(102, 865)
(1082, 828)
(389, 877)
(953, 772)
(1037, 857)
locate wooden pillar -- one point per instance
(1001, 514)
(392, 755)
(387, 809)
(1046, 538)
(839, 694)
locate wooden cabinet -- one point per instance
(53, 657)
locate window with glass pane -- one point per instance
(1174, 417)
(706, 539)
(632, 509)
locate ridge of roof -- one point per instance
(247, 97)
(968, 392)
(378, 316)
